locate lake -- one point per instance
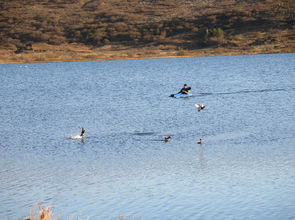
(245, 168)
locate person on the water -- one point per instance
(185, 89)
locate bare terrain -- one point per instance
(76, 30)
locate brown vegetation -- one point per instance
(72, 30)
(42, 213)
(46, 213)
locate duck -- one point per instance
(201, 141)
(79, 136)
(167, 139)
(200, 107)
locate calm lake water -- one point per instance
(245, 169)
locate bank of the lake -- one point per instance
(75, 52)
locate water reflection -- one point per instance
(201, 163)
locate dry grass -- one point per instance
(139, 53)
(42, 213)
(46, 213)
(79, 30)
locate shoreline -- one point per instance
(44, 53)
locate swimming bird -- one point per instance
(201, 141)
(79, 136)
(167, 139)
(200, 107)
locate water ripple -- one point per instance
(243, 170)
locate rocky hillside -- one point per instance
(57, 30)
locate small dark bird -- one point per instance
(82, 132)
(201, 141)
(200, 107)
(167, 139)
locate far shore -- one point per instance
(42, 53)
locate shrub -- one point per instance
(120, 27)
(106, 41)
(238, 37)
(99, 35)
(163, 34)
(56, 40)
(180, 53)
(135, 35)
(213, 36)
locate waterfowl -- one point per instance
(200, 107)
(167, 139)
(82, 132)
(201, 141)
(79, 136)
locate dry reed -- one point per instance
(43, 213)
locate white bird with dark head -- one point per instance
(200, 107)
(79, 136)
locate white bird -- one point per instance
(200, 107)
(79, 136)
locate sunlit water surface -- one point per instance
(245, 168)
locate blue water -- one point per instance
(245, 168)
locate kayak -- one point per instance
(179, 95)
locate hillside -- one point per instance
(72, 30)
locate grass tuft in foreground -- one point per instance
(43, 213)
